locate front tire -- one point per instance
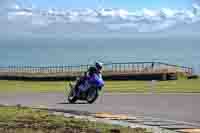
(92, 95)
(72, 96)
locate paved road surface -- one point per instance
(179, 107)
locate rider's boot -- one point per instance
(77, 90)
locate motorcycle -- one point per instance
(87, 91)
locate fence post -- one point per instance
(112, 67)
(142, 66)
(120, 67)
(115, 68)
(31, 69)
(20, 68)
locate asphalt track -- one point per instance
(177, 107)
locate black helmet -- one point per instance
(99, 65)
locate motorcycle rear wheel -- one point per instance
(92, 95)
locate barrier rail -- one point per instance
(129, 67)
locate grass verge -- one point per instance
(175, 86)
(16, 119)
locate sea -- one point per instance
(30, 50)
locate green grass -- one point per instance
(31, 86)
(176, 86)
(15, 118)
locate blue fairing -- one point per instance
(97, 80)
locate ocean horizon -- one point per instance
(47, 51)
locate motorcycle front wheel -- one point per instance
(72, 96)
(92, 95)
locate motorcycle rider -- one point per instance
(95, 70)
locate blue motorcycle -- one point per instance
(87, 90)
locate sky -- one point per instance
(46, 20)
(126, 4)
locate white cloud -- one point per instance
(144, 20)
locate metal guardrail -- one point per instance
(133, 67)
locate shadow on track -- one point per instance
(72, 103)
